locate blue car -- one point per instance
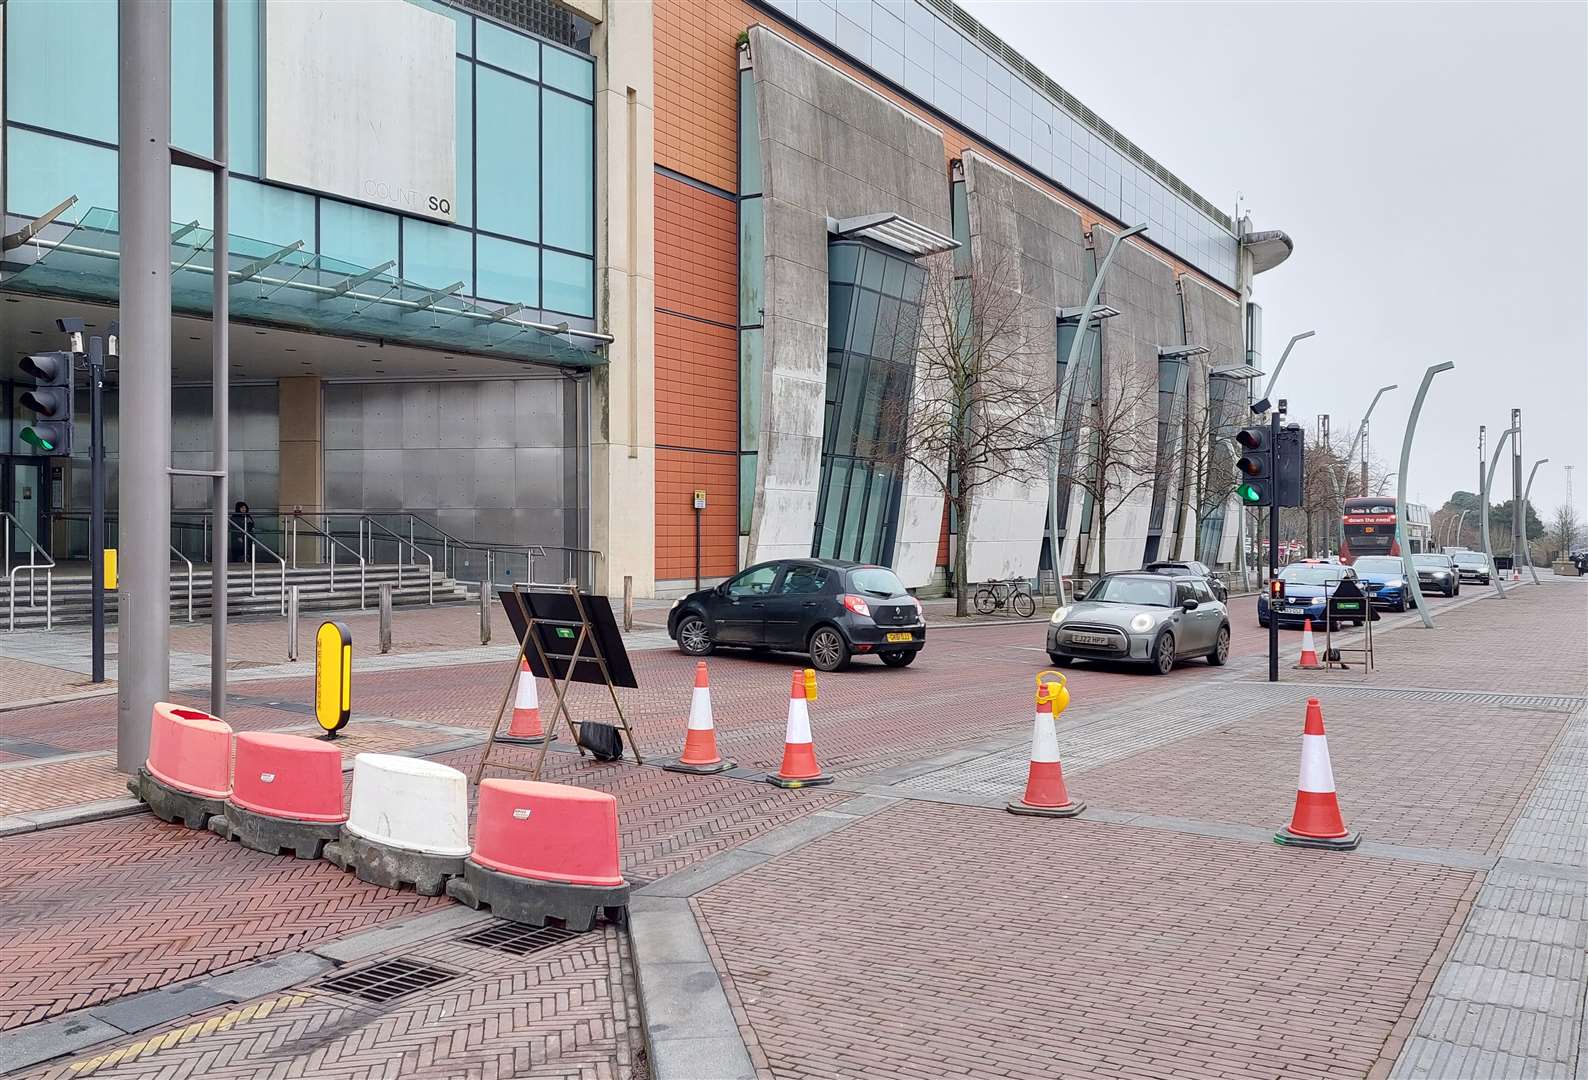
(1383, 578)
(1308, 584)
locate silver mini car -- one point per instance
(1145, 618)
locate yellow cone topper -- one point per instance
(333, 676)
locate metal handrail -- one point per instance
(365, 521)
(189, 562)
(32, 567)
(335, 543)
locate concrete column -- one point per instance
(301, 423)
(623, 403)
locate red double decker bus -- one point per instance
(1368, 528)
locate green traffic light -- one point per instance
(1249, 493)
(33, 438)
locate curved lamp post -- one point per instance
(1460, 521)
(1408, 568)
(1483, 507)
(1526, 494)
(1268, 391)
(1361, 430)
(1061, 406)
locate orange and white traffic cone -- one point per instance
(525, 727)
(1309, 651)
(799, 768)
(1316, 821)
(700, 740)
(1046, 795)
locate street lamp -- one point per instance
(1455, 538)
(1408, 568)
(1361, 431)
(1262, 405)
(1483, 509)
(1526, 494)
(1061, 406)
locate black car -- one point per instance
(828, 609)
(1181, 567)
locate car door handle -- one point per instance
(810, 603)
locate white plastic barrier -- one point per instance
(411, 804)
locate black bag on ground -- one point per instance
(604, 741)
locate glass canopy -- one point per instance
(295, 289)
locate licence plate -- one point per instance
(1091, 639)
(900, 637)
(1294, 610)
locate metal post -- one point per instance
(1273, 553)
(1408, 568)
(292, 623)
(96, 497)
(1272, 379)
(697, 548)
(1518, 511)
(1061, 404)
(485, 609)
(385, 617)
(628, 601)
(144, 183)
(1483, 509)
(1526, 493)
(220, 373)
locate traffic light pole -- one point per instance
(96, 497)
(1273, 557)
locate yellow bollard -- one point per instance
(810, 684)
(333, 677)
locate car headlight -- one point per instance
(1396, 584)
(1060, 615)
(1441, 573)
(1142, 623)
(680, 600)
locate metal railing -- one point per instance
(298, 520)
(367, 527)
(32, 566)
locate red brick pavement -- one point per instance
(930, 941)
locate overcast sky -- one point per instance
(1430, 161)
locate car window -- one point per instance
(1473, 559)
(802, 580)
(1203, 594)
(1431, 560)
(1378, 564)
(756, 581)
(1311, 575)
(876, 581)
(1133, 590)
(1182, 592)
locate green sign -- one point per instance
(565, 631)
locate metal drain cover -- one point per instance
(389, 980)
(518, 939)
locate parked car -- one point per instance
(1194, 569)
(1383, 578)
(1308, 585)
(1473, 566)
(1142, 617)
(1437, 572)
(828, 609)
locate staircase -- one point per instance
(73, 594)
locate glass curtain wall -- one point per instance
(874, 312)
(1171, 414)
(1086, 388)
(1226, 403)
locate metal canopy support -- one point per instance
(896, 231)
(264, 263)
(32, 228)
(435, 296)
(182, 230)
(1181, 352)
(350, 283)
(1073, 314)
(505, 313)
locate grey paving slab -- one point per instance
(381, 939)
(267, 976)
(41, 1042)
(152, 1008)
(83, 812)
(704, 874)
(701, 1059)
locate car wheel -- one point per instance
(829, 651)
(1401, 606)
(1060, 661)
(1450, 590)
(1263, 623)
(897, 659)
(694, 636)
(1221, 648)
(1163, 654)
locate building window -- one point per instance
(508, 181)
(60, 69)
(567, 141)
(568, 282)
(437, 256)
(509, 271)
(357, 235)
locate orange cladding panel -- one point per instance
(697, 88)
(679, 474)
(697, 252)
(697, 384)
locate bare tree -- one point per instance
(1211, 476)
(1117, 440)
(1565, 529)
(980, 408)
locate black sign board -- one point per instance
(1348, 601)
(558, 620)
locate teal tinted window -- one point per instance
(508, 272)
(271, 215)
(508, 183)
(60, 66)
(435, 256)
(746, 490)
(358, 235)
(192, 75)
(464, 144)
(192, 197)
(567, 284)
(505, 49)
(42, 170)
(242, 77)
(751, 346)
(752, 255)
(749, 137)
(568, 150)
(565, 71)
(465, 24)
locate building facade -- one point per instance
(639, 285)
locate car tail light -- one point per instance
(856, 604)
(918, 609)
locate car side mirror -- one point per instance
(1189, 605)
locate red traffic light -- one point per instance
(1276, 589)
(1251, 438)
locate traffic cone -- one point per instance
(700, 740)
(1316, 821)
(1309, 651)
(525, 727)
(1046, 795)
(799, 768)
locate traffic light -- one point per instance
(1256, 467)
(1288, 464)
(51, 399)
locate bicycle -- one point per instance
(997, 595)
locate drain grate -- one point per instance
(517, 939)
(389, 980)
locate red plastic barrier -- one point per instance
(190, 751)
(550, 832)
(288, 776)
